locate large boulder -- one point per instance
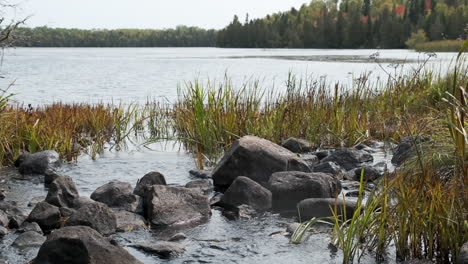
(63, 192)
(257, 159)
(95, 215)
(297, 145)
(349, 159)
(170, 205)
(322, 207)
(81, 245)
(150, 179)
(128, 221)
(291, 187)
(38, 163)
(45, 215)
(118, 195)
(406, 149)
(246, 191)
(28, 239)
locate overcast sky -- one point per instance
(146, 13)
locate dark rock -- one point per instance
(28, 239)
(203, 185)
(2, 195)
(95, 215)
(291, 187)
(15, 215)
(36, 200)
(118, 195)
(240, 212)
(3, 232)
(66, 212)
(46, 215)
(321, 154)
(349, 159)
(202, 174)
(169, 205)
(22, 157)
(4, 219)
(27, 226)
(163, 249)
(82, 201)
(370, 174)
(78, 245)
(38, 163)
(128, 221)
(365, 148)
(310, 159)
(321, 207)
(246, 191)
(177, 237)
(216, 199)
(63, 192)
(463, 255)
(406, 149)
(297, 145)
(150, 179)
(330, 168)
(50, 176)
(257, 159)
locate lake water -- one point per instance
(45, 75)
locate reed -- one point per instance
(439, 46)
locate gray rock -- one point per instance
(2, 195)
(36, 200)
(170, 205)
(329, 167)
(78, 245)
(203, 185)
(163, 249)
(321, 154)
(202, 174)
(46, 216)
(27, 226)
(406, 149)
(177, 237)
(63, 192)
(3, 231)
(150, 179)
(246, 191)
(118, 195)
(82, 201)
(128, 221)
(370, 174)
(321, 207)
(28, 239)
(15, 215)
(66, 212)
(257, 159)
(95, 215)
(50, 176)
(291, 187)
(4, 221)
(349, 159)
(463, 255)
(310, 159)
(240, 212)
(297, 145)
(38, 163)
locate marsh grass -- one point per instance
(439, 46)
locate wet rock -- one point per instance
(177, 237)
(321, 207)
(50, 176)
(15, 215)
(36, 200)
(150, 179)
(38, 163)
(463, 255)
(2, 195)
(291, 187)
(63, 192)
(370, 174)
(95, 215)
(240, 212)
(246, 191)
(28, 239)
(66, 212)
(311, 160)
(170, 205)
(81, 244)
(27, 226)
(349, 159)
(257, 159)
(202, 174)
(118, 195)
(321, 154)
(4, 219)
(406, 149)
(3, 232)
(291, 228)
(128, 221)
(203, 185)
(163, 249)
(329, 167)
(297, 145)
(216, 199)
(46, 215)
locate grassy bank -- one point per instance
(439, 46)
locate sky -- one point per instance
(156, 14)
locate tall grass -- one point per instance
(439, 46)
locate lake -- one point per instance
(45, 75)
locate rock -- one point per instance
(14, 213)
(365, 148)
(349, 159)
(128, 221)
(63, 192)
(463, 255)
(177, 237)
(245, 191)
(50, 176)
(240, 212)
(2, 195)
(321, 207)
(95, 215)
(406, 149)
(82, 201)
(27, 226)
(163, 249)
(45, 215)
(291, 187)
(203, 185)
(3, 232)
(118, 195)
(150, 179)
(329, 167)
(297, 145)
(38, 163)
(257, 159)
(202, 174)
(311, 160)
(36, 200)
(170, 205)
(78, 245)
(291, 228)
(4, 221)
(370, 174)
(66, 212)
(321, 154)
(28, 239)
(216, 199)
